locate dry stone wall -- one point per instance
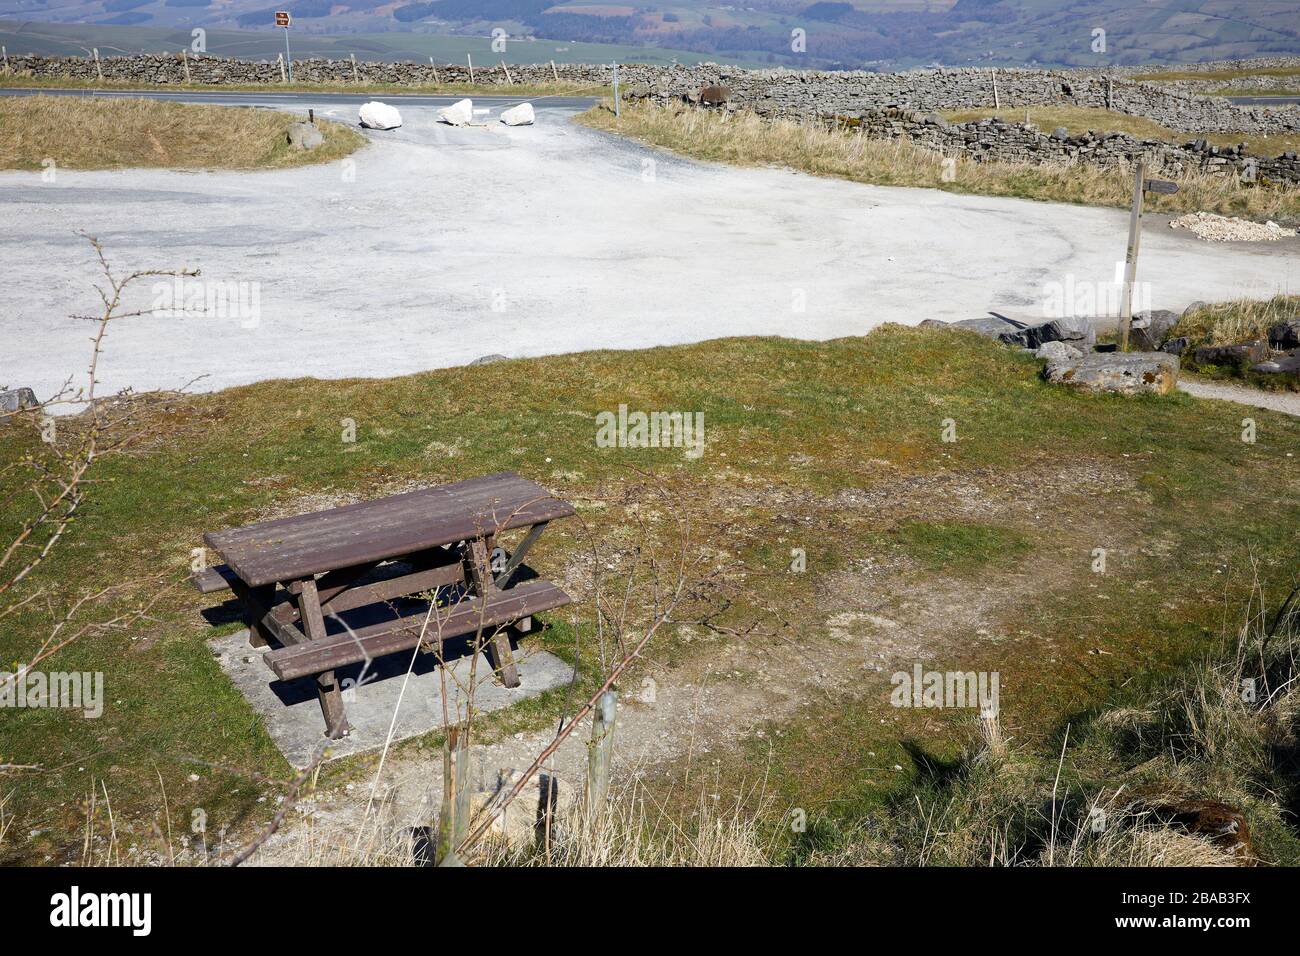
(788, 93)
(791, 94)
(891, 105)
(994, 140)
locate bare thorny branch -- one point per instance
(59, 474)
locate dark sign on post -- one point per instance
(281, 18)
(1161, 186)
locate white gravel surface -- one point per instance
(437, 245)
(1214, 228)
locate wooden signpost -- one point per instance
(282, 19)
(1141, 186)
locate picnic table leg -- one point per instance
(331, 706)
(255, 602)
(327, 685)
(497, 646)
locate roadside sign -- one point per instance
(282, 18)
(1160, 186)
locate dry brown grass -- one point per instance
(84, 133)
(1080, 119)
(746, 139)
(1225, 323)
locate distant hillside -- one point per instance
(881, 34)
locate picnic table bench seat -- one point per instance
(299, 577)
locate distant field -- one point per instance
(77, 39)
(1217, 74)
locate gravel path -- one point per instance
(1286, 402)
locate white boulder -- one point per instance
(458, 114)
(521, 115)
(376, 115)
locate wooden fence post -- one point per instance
(997, 102)
(354, 67)
(600, 752)
(98, 69)
(433, 66)
(185, 61)
(1131, 258)
(5, 53)
(470, 60)
(555, 74)
(453, 818)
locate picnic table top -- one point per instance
(287, 549)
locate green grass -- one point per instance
(1176, 74)
(857, 413)
(1161, 741)
(960, 547)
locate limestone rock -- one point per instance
(1150, 329)
(521, 115)
(376, 115)
(1057, 330)
(16, 399)
(1289, 363)
(305, 136)
(1126, 373)
(1285, 335)
(1246, 353)
(460, 113)
(1057, 351)
(990, 326)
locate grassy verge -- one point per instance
(1199, 769)
(81, 133)
(1079, 119)
(746, 139)
(836, 446)
(18, 81)
(1232, 323)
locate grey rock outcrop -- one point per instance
(1125, 373)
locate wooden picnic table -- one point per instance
(313, 583)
